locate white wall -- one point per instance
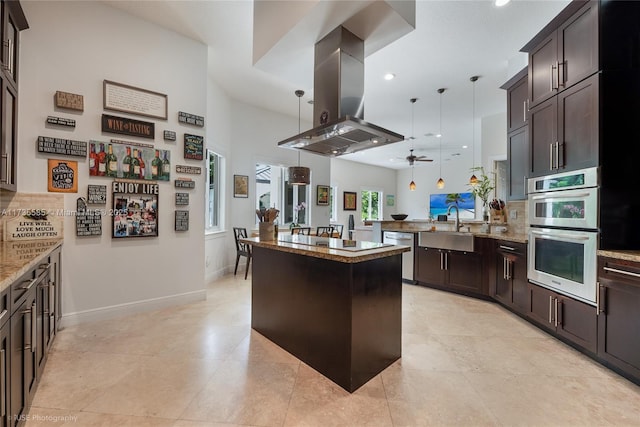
(72, 47)
(494, 139)
(353, 176)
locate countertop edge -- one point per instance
(7, 280)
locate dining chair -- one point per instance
(301, 230)
(324, 231)
(337, 228)
(242, 249)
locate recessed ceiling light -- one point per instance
(500, 3)
(438, 135)
(465, 146)
(391, 76)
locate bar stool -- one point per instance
(301, 230)
(242, 249)
(338, 229)
(324, 231)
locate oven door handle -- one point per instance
(559, 236)
(560, 195)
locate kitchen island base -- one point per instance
(342, 319)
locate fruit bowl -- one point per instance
(399, 217)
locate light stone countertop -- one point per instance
(623, 255)
(329, 253)
(16, 258)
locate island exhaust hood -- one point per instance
(338, 108)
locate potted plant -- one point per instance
(482, 189)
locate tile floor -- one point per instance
(465, 363)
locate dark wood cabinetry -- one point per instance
(572, 320)
(511, 276)
(13, 21)
(5, 358)
(451, 270)
(517, 136)
(565, 56)
(564, 130)
(517, 102)
(619, 315)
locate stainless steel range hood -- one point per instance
(338, 108)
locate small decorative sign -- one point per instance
(97, 194)
(190, 119)
(192, 170)
(70, 101)
(193, 147)
(126, 126)
(21, 228)
(182, 221)
(88, 221)
(61, 121)
(67, 147)
(63, 176)
(130, 99)
(137, 144)
(169, 135)
(182, 199)
(185, 183)
(135, 209)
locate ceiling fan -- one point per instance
(411, 158)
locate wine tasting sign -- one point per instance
(124, 126)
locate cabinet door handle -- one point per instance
(558, 155)
(551, 77)
(5, 168)
(27, 318)
(10, 67)
(34, 325)
(4, 313)
(52, 297)
(551, 156)
(601, 299)
(508, 269)
(626, 273)
(561, 79)
(556, 312)
(446, 261)
(524, 110)
(44, 266)
(504, 268)
(31, 282)
(508, 248)
(3, 383)
(550, 308)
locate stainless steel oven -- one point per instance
(563, 233)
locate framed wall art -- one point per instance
(130, 160)
(322, 197)
(240, 186)
(130, 99)
(62, 176)
(135, 209)
(349, 200)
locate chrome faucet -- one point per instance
(457, 215)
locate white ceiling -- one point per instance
(452, 41)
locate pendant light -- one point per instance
(299, 175)
(440, 183)
(412, 184)
(474, 179)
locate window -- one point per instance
(214, 196)
(371, 204)
(273, 190)
(333, 209)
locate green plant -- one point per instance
(484, 186)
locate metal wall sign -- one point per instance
(182, 199)
(192, 170)
(190, 119)
(62, 176)
(185, 183)
(88, 221)
(61, 121)
(97, 194)
(122, 125)
(169, 135)
(134, 100)
(182, 221)
(67, 147)
(70, 101)
(193, 147)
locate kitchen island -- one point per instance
(334, 304)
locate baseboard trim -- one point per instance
(120, 310)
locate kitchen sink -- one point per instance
(455, 241)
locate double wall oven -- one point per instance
(563, 232)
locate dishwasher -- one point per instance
(405, 239)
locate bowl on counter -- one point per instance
(399, 217)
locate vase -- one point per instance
(485, 213)
(266, 231)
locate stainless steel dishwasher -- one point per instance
(405, 239)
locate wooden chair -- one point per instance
(324, 231)
(242, 249)
(338, 229)
(301, 230)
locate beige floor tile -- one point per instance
(317, 401)
(256, 347)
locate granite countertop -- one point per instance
(417, 226)
(624, 255)
(333, 254)
(16, 258)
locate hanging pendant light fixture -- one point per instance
(412, 184)
(474, 179)
(440, 183)
(299, 175)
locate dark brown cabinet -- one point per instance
(619, 316)
(13, 21)
(511, 276)
(564, 130)
(565, 56)
(570, 319)
(5, 361)
(450, 270)
(517, 103)
(518, 135)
